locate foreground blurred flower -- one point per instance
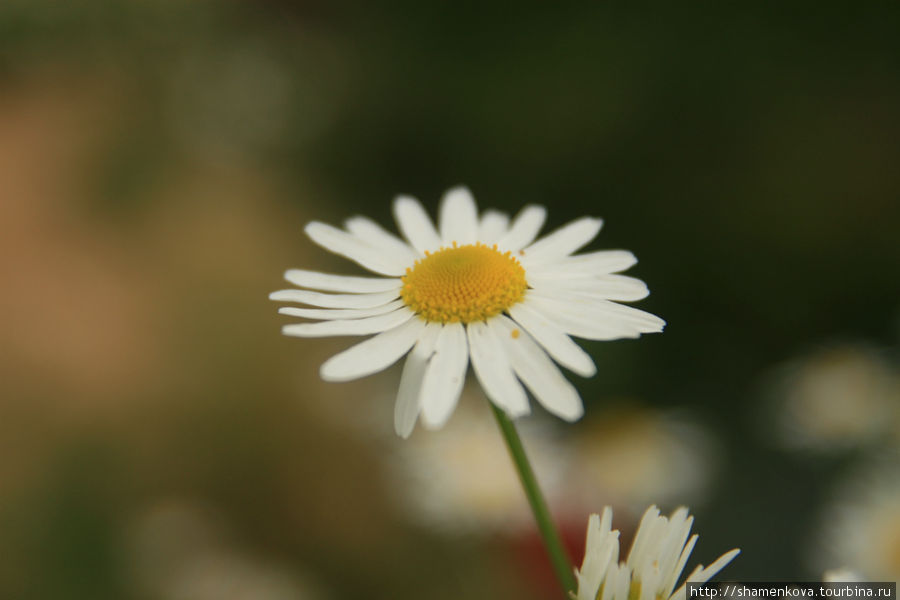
(631, 455)
(839, 397)
(840, 575)
(177, 549)
(460, 483)
(859, 530)
(473, 287)
(659, 553)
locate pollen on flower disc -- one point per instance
(463, 284)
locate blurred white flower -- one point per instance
(236, 577)
(658, 555)
(178, 550)
(860, 528)
(477, 288)
(629, 457)
(461, 481)
(838, 575)
(838, 397)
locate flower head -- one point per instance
(658, 555)
(476, 288)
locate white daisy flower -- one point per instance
(476, 287)
(659, 553)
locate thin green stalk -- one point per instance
(552, 542)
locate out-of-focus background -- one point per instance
(160, 440)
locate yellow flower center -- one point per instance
(463, 284)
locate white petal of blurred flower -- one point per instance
(837, 398)
(460, 482)
(658, 555)
(475, 289)
(631, 456)
(860, 527)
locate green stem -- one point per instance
(552, 542)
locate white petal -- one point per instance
(701, 575)
(679, 566)
(589, 264)
(494, 371)
(328, 314)
(352, 247)
(612, 577)
(524, 229)
(459, 217)
(493, 225)
(372, 355)
(590, 575)
(334, 300)
(623, 583)
(594, 319)
(538, 372)
(365, 326)
(553, 340)
(605, 287)
(340, 283)
(375, 234)
(649, 582)
(562, 242)
(680, 593)
(606, 522)
(670, 550)
(444, 376)
(601, 553)
(709, 572)
(415, 224)
(643, 538)
(406, 409)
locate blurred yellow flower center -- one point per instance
(463, 284)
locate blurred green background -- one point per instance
(160, 439)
